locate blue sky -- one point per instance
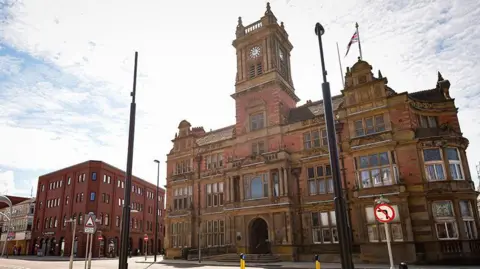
(66, 70)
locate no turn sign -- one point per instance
(384, 213)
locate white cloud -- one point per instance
(187, 68)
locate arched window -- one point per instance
(55, 222)
(117, 221)
(64, 220)
(101, 218)
(106, 220)
(46, 223)
(50, 222)
(74, 218)
(80, 218)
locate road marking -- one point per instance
(13, 267)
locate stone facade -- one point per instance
(263, 185)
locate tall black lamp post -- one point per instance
(155, 244)
(124, 239)
(340, 209)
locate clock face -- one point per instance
(254, 52)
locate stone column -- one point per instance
(285, 180)
(270, 184)
(242, 188)
(280, 181)
(226, 190)
(231, 189)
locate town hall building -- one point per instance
(263, 185)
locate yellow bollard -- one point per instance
(317, 262)
(242, 261)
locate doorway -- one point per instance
(259, 243)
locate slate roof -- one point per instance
(311, 110)
(216, 136)
(432, 95)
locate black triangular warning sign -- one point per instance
(90, 222)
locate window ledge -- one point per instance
(385, 190)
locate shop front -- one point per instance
(18, 243)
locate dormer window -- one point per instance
(257, 121)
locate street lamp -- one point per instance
(340, 209)
(6, 200)
(123, 261)
(74, 227)
(155, 246)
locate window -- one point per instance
(258, 148)
(377, 169)
(183, 167)
(80, 218)
(118, 183)
(92, 196)
(376, 230)
(468, 219)
(81, 197)
(255, 70)
(60, 183)
(369, 125)
(256, 186)
(100, 219)
(117, 221)
(433, 164)
(43, 188)
(454, 163)
(315, 139)
(94, 176)
(69, 180)
(427, 121)
(257, 121)
(182, 198)
(55, 222)
(64, 220)
(276, 185)
(67, 198)
(214, 161)
(320, 179)
(215, 194)
(178, 237)
(445, 223)
(106, 220)
(324, 227)
(214, 231)
(104, 178)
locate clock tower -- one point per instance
(264, 80)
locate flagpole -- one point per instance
(341, 68)
(359, 45)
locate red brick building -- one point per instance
(263, 185)
(98, 187)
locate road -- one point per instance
(139, 263)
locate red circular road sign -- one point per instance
(145, 237)
(384, 213)
(100, 237)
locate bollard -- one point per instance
(317, 262)
(242, 261)
(403, 265)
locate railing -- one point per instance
(252, 27)
(211, 251)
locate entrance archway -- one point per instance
(258, 242)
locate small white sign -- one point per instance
(89, 230)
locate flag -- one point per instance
(354, 39)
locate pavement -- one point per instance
(33, 262)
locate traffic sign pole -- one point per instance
(86, 250)
(389, 244)
(90, 252)
(385, 213)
